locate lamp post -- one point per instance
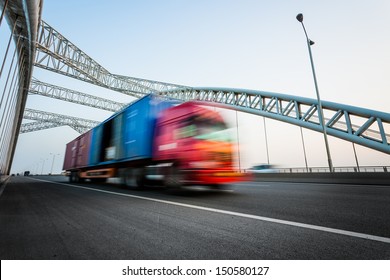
(320, 111)
(43, 163)
(52, 163)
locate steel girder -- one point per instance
(52, 91)
(359, 125)
(362, 126)
(78, 124)
(57, 54)
(35, 126)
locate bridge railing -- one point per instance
(322, 169)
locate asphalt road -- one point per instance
(253, 220)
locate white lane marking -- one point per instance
(313, 184)
(238, 214)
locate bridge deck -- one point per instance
(56, 220)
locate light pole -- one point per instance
(52, 163)
(320, 111)
(304, 150)
(238, 144)
(43, 163)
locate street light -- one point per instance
(52, 163)
(320, 113)
(43, 163)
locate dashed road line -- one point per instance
(237, 214)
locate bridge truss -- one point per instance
(58, 54)
(61, 93)
(358, 125)
(49, 120)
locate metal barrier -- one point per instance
(340, 169)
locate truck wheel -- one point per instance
(218, 186)
(73, 178)
(140, 178)
(173, 178)
(133, 178)
(127, 178)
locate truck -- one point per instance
(155, 139)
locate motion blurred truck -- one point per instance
(154, 139)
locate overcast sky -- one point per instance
(251, 44)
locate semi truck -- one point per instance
(154, 139)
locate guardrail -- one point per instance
(341, 169)
(333, 178)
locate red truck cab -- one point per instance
(195, 145)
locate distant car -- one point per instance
(26, 173)
(262, 168)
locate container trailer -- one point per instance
(155, 139)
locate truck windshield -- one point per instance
(204, 129)
(208, 129)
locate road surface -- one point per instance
(49, 218)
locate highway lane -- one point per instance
(43, 220)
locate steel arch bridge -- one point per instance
(53, 52)
(366, 127)
(358, 125)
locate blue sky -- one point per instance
(250, 44)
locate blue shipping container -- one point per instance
(127, 135)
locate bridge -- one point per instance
(48, 49)
(33, 44)
(44, 47)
